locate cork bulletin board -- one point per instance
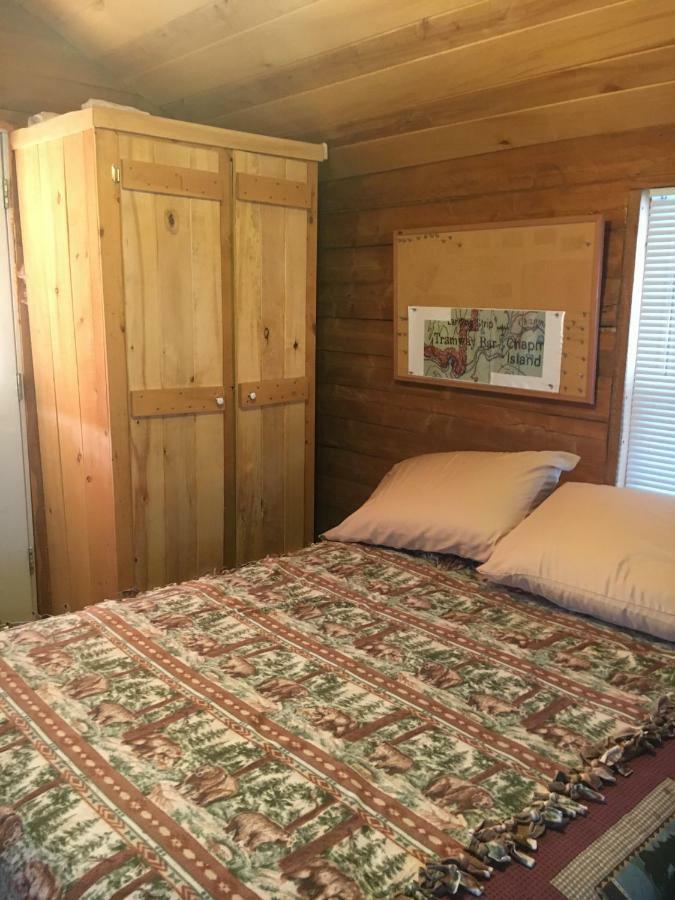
(508, 308)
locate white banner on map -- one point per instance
(519, 348)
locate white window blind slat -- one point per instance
(648, 440)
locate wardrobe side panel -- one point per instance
(61, 255)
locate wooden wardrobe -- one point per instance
(170, 272)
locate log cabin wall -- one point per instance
(365, 421)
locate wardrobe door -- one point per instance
(274, 258)
(175, 223)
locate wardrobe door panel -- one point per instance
(271, 341)
(174, 207)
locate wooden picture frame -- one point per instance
(538, 264)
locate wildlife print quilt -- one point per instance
(345, 722)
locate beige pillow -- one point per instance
(597, 549)
(454, 502)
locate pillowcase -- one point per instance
(459, 503)
(597, 549)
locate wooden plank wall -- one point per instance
(366, 422)
(41, 71)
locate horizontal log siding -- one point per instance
(365, 421)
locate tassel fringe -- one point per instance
(495, 843)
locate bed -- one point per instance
(319, 725)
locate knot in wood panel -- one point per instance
(171, 221)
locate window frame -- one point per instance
(634, 325)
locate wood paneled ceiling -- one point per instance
(456, 77)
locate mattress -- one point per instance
(319, 725)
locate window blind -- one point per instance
(649, 409)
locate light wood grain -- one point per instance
(143, 361)
(209, 363)
(79, 154)
(139, 306)
(303, 32)
(248, 347)
(35, 249)
(96, 28)
(524, 53)
(572, 164)
(641, 69)
(273, 314)
(493, 73)
(254, 394)
(271, 253)
(226, 167)
(61, 246)
(125, 122)
(310, 354)
(66, 375)
(176, 401)
(173, 180)
(42, 71)
(173, 298)
(38, 511)
(110, 250)
(184, 36)
(275, 191)
(454, 25)
(603, 114)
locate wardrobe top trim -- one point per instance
(158, 127)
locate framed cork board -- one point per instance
(508, 308)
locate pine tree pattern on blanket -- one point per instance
(320, 725)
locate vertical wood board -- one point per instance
(271, 250)
(174, 331)
(36, 247)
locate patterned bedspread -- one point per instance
(317, 725)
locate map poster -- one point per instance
(518, 348)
